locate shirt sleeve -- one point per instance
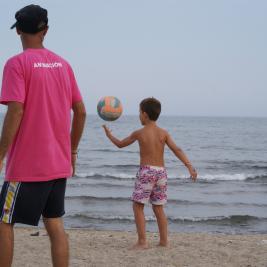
(13, 83)
(75, 92)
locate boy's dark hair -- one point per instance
(152, 107)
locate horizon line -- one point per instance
(184, 115)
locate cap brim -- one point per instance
(13, 26)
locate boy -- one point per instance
(151, 182)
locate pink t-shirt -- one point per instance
(45, 84)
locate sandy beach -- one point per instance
(110, 248)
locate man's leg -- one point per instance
(140, 222)
(162, 224)
(59, 241)
(6, 244)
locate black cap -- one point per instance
(31, 19)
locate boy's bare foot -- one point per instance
(163, 244)
(139, 246)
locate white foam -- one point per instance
(207, 177)
(225, 177)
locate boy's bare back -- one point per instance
(152, 140)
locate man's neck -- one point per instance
(33, 42)
(32, 46)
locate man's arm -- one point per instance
(120, 143)
(10, 127)
(78, 122)
(178, 152)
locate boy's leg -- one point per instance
(6, 244)
(162, 224)
(140, 222)
(59, 241)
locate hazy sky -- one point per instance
(199, 57)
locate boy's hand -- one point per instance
(107, 130)
(193, 173)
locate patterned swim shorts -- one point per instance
(150, 184)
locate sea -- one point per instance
(230, 195)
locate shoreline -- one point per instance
(149, 231)
(111, 248)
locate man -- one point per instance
(40, 90)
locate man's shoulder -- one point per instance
(14, 59)
(26, 55)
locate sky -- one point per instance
(199, 58)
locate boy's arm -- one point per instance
(181, 156)
(120, 143)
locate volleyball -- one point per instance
(109, 108)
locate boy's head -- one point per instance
(152, 107)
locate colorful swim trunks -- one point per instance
(150, 184)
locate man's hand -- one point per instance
(1, 165)
(73, 163)
(107, 130)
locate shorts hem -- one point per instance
(53, 215)
(140, 201)
(11, 223)
(158, 203)
(25, 222)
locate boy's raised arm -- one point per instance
(181, 156)
(120, 143)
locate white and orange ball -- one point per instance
(109, 108)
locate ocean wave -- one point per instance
(128, 199)
(76, 184)
(170, 201)
(224, 177)
(232, 219)
(173, 177)
(116, 176)
(258, 178)
(105, 218)
(243, 164)
(121, 166)
(259, 167)
(95, 198)
(219, 220)
(114, 151)
(233, 177)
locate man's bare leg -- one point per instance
(162, 224)
(59, 241)
(6, 244)
(140, 222)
